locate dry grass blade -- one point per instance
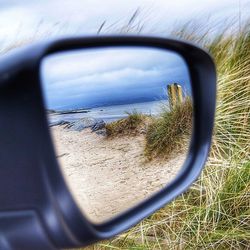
(214, 213)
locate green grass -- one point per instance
(170, 132)
(165, 134)
(215, 212)
(133, 124)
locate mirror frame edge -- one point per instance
(79, 230)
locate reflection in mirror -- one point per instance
(121, 121)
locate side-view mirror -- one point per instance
(98, 133)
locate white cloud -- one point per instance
(106, 64)
(90, 77)
(28, 19)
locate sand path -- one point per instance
(108, 176)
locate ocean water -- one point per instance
(112, 113)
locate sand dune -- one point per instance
(106, 175)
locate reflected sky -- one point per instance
(110, 76)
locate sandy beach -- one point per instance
(109, 175)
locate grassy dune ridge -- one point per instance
(131, 125)
(165, 134)
(171, 132)
(215, 212)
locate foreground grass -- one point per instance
(215, 212)
(198, 219)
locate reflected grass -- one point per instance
(170, 132)
(165, 134)
(131, 125)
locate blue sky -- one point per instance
(110, 76)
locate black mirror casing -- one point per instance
(37, 210)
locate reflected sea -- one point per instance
(112, 113)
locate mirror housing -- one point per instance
(35, 191)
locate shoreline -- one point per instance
(107, 113)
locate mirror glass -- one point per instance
(121, 122)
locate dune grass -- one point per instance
(165, 134)
(215, 212)
(131, 125)
(170, 132)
